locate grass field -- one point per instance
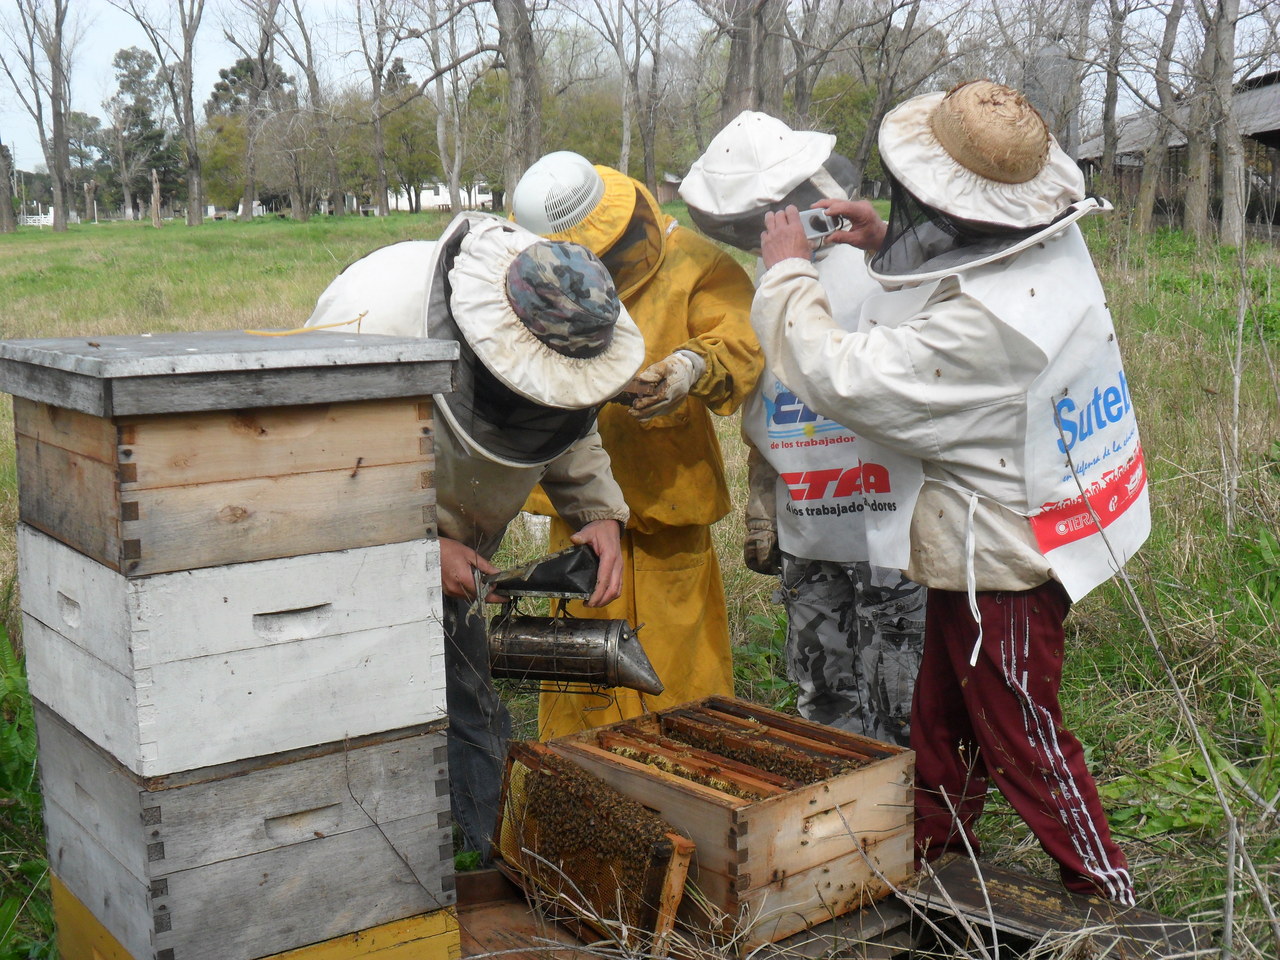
(1181, 721)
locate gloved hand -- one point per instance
(760, 549)
(672, 377)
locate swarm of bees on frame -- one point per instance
(594, 846)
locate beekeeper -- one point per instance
(991, 357)
(854, 630)
(543, 341)
(692, 303)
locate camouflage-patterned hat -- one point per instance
(543, 317)
(565, 296)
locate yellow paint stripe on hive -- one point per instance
(429, 936)
(80, 935)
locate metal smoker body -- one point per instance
(606, 653)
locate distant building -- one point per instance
(1257, 107)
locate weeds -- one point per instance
(26, 911)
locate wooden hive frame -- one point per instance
(591, 888)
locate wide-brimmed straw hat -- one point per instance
(980, 152)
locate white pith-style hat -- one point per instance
(751, 163)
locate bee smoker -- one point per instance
(602, 652)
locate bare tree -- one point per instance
(376, 23)
(1231, 164)
(756, 32)
(816, 30)
(1117, 12)
(297, 43)
(263, 80)
(616, 21)
(1158, 150)
(38, 72)
(524, 89)
(895, 57)
(174, 47)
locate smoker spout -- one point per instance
(633, 667)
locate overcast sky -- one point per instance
(103, 30)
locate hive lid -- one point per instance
(221, 370)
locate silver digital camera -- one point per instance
(818, 223)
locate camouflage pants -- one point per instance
(855, 634)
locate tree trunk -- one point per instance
(155, 199)
(8, 222)
(1200, 133)
(1111, 92)
(1230, 148)
(1158, 152)
(250, 190)
(524, 106)
(753, 76)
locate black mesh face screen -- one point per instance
(742, 230)
(921, 238)
(508, 425)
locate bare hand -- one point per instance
(605, 537)
(783, 237)
(457, 565)
(866, 230)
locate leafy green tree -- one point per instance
(253, 90)
(397, 79)
(134, 141)
(410, 138)
(222, 149)
(239, 89)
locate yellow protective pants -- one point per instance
(672, 590)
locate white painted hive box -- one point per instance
(189, 669)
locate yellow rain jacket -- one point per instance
(685, 294)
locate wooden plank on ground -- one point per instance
(495, 919)
(879, 931)
(1035, 909)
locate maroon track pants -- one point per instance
(1001, 720)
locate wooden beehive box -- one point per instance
(793, 822)
(254, 858)
(430, 936)
(152, 454)
(183, 670)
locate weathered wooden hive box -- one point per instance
(180, 451)
(251, 858)
(793, 822)
(232, 615)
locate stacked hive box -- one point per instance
(231, 609)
